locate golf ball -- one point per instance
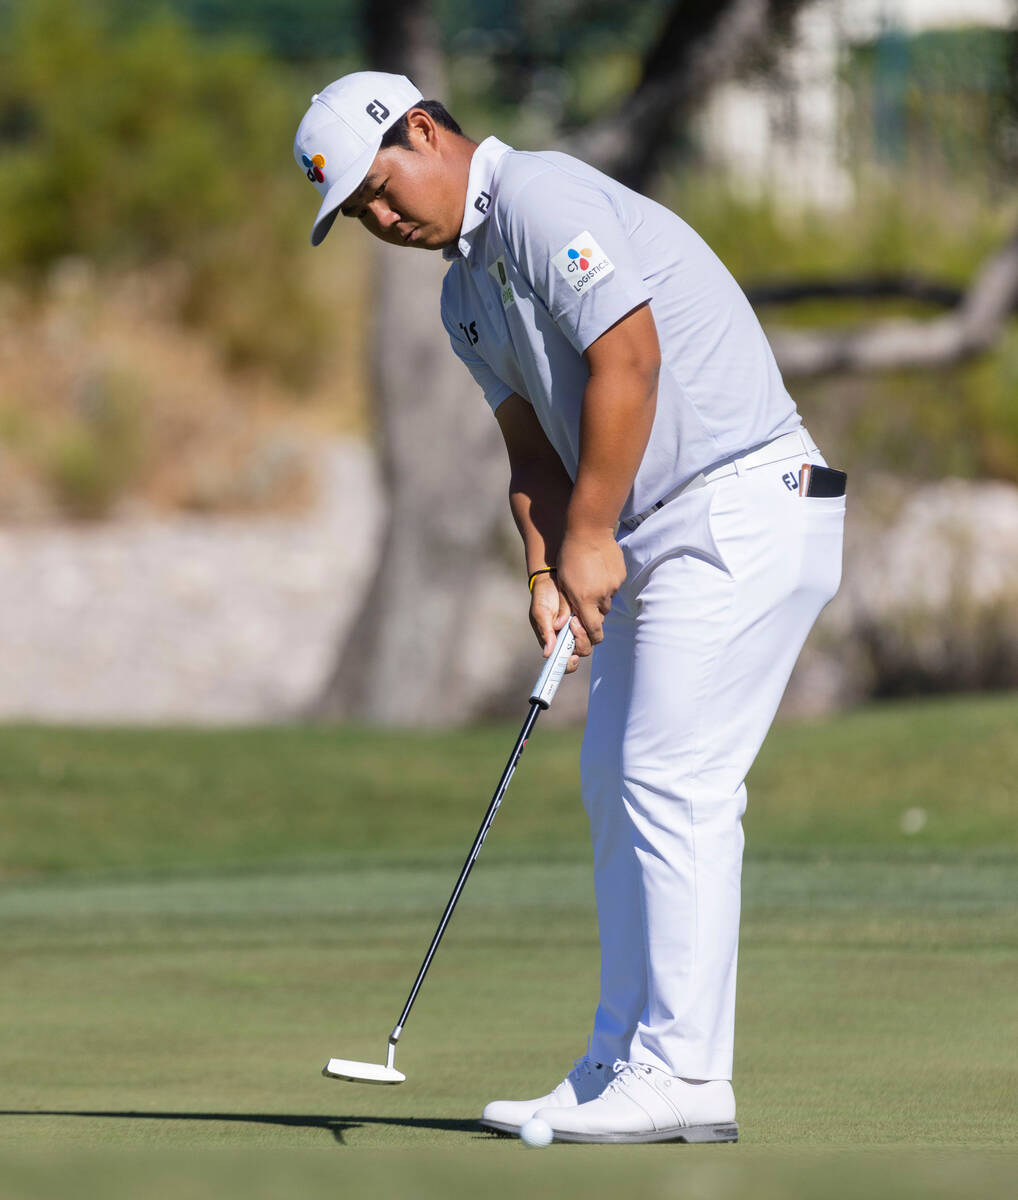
(536, 1132)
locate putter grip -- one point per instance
(555, 667)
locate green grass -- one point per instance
(193, 921)
(75, 800)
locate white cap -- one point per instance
(341, 133)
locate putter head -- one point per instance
(361, 1072)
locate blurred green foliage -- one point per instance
(296, 29)
(519, 44)
(127, 144)
(942, 100)
(122, 144)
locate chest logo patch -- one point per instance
(498, 272)
(582, 263)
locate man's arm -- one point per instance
(539, 491)
(573, 527)
(539, 485)
(618, 411)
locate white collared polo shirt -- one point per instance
(551, 254)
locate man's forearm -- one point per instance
(618, 412)
(539, 494)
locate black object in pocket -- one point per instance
(815, 480)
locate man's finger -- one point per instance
(544, 627)
(583, 646)
(592, 622)
(550, 637)
(585, 620)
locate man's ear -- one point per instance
(421, 127)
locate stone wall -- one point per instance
(226, 619)
(190, 619)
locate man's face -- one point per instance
(410, 197)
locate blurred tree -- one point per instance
(975, 322)
(441, 459)
(701, 43)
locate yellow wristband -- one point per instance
(534, 575)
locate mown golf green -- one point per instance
(193, 922)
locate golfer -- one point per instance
(668, 498)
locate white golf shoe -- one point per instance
(586, 1080)
(644, 1104)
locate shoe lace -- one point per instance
(584, 1065)
(624, 1072)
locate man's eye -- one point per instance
(381, 189)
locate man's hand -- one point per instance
(591, 570)
(549, 611)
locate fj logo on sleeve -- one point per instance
(500, 275)
(582, 263)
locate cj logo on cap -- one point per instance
(314, 166)
(377, 111)
(582, 263)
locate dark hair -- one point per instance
(399, 134)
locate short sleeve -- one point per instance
(494, 389)
(571, 246)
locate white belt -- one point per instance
(787, 446)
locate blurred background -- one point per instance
(246, 480)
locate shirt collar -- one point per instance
(479, 199)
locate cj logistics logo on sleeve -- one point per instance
(582, 263)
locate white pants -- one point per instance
(723, 585)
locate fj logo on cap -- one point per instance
(377, 111)
(314, 165)
(582, 263)
(482, 203)
(501, 276)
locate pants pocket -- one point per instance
(823, 532)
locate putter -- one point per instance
(540, 699)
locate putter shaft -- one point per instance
(475, 849)
(540, 698)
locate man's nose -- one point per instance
(384, 216)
